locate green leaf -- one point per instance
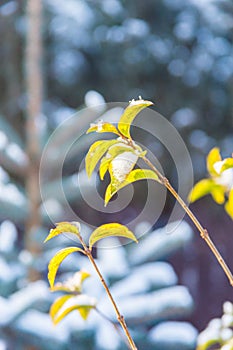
(201, 189)
(109, 230)
(213, 157)
(65, 307)
(223, 165)
(63, 227)
(129, 115)
(103, 127)
(229, 204)
(57, 260)
(73, 284)
(113, 152)
(96, 152)
(134, 175)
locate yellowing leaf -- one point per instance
(64, 306)
(223, 165)
(108, 230)
(104, 165)
(72, 284)
(84, 311)
(63, 227)
(134, 175)
(103, 127)
(57, 260)
(213, 157)
(58, 303)
(229, 204)
(121, 166)
(129, 114)
(96, 152)
(218, 194)
(201, 189)
(113, 152)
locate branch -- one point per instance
(203, 232)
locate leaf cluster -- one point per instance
(219, 184)
(74, 299)
(118, 156)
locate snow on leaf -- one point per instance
(133, 176)
(72, 284)
(122, 165)
(103, 127)
(213, 157)
(81, 303)
(223, 165)
(113, 152)
(129, 115)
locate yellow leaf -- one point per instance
(63, 227)
(95, 153)
(108, 230)
(223, 165)
(201, 189)
(213, 157)
(58, 303)
(129, 114)
(73, 284)
(134, 175)
(113, 152)
(104, 165)
(84, 311)
(229, 204)
(121, 166)
(57, 260)
(82, 303)
(103, 127)
(218, 194)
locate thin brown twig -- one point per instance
(203, 232)
(116, 326)
(120, 318)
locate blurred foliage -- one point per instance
(220, 182)
(219, 332)
(178, 55)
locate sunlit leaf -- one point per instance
(108, 230)
(129, 114)
(104, 165)
(121, 166)
(209, 342)
(134, 175)
(81, 303)
(213, 157)
(201, 189)
(218, 194)
(57, 260)
(96, 152)
(103, 127)
(63, 227)
(113, 152)
(58, 303)
(229, 204)
(72, 284)
(223, 165)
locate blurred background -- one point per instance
(58, 57)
